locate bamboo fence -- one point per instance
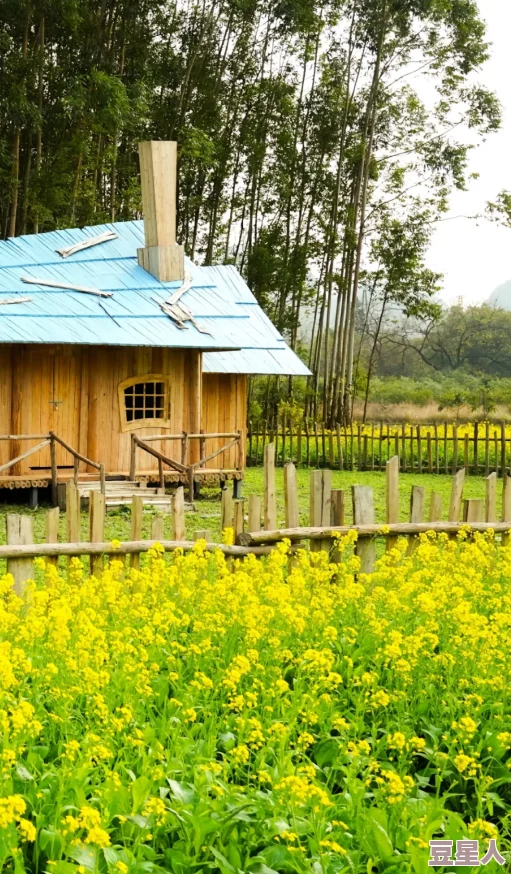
(440, 448)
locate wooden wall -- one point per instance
(224, 408)
(85, 380)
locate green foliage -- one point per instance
(301, 138)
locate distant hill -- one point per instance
(501, 297)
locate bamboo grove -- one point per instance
(318, 142)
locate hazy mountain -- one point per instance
(501, 297)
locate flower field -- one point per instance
(258, 715)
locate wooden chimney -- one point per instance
(161, 256)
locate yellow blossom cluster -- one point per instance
(205, 712)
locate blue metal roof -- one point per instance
(219, 299)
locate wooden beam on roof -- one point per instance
(11, 300)
(86, 244)
(162, 256)
(52, 283)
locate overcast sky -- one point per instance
(475, 257)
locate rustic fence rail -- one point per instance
(326, 521)
(441, 448)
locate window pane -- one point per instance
(145, 400)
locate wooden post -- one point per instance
(184, 447)
(320, 505)
(466, 459)
(455, 449)
(339, 446)
(76, 465)
(392, 495)
(458, 482)
(506, 506)
(72, 515)
(161, 476)
(157, 528)
(419, 449)
(336, 517)
(203, 534)
(137, 512)
(473, 510)
(430, 453)
(363, 514)
(291, 496)
(417, 504)
(435, 507)
(476, 448)
(53, 457)
(178, 514)
(19, 531)
(331, 451)
(52, 530)
(226, 510)
(299, 444)
(97, 528)
(270, 497)
(487, 450)
(490, 499)
(437, 454)
(503, 447)
(133, 458)
(239, 519)
(254, 513)
(337, 507)
(417, 499)
(102, 480)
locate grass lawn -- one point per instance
(207, 515)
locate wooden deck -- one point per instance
(42, 479)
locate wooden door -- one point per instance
(46, 397)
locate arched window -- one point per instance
(144, 401)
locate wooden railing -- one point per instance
(186, 468)
(51, 439)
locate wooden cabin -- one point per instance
(109, 336)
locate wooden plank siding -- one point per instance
(224, 410)
(86, 380)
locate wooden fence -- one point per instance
(327, 518)
(328, 510)
(440, 448)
